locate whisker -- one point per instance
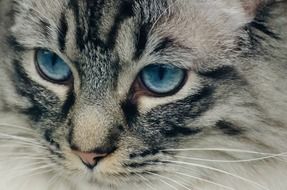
(35, 169)
(39, 173)
(234, 161)
(5, 140)
(218, 170)
(54, 179)
(29, 165)
(147, 181)
(17, 154)
(15, 137)
(16, 144)
(16, 127)
(34, 174)
(219, 149)
(3, 161)
(171, 186)
(205, 180)
(170, 179)
(42, 160)
(23, 145)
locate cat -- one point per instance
(143, 94)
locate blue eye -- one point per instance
(52, 67)
(163, 79)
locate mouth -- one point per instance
(111, 170)
(119, 175)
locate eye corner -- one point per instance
(52, 68)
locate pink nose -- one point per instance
(90, 159)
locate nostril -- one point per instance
(90, 159)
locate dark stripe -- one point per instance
(48, 135)
(255, 30)
(37, 111)
(164, 44)
(49, 138)
(69, 103)
(14, 44)
(94, 14)
(63, 29)
(125, 11)
(172, 123)
(228, 128)
(145, 153)
(198, 103)
(143, 164)
(247, 46)
(260, 22)
(74, 5)
(70, 136)
(142, 38)
(14, 11)
(263, 28)
(130, 110)
(43, 101)
(54, 146)
(45, 28)
(143, 173)
(174, 130)
(221, 73)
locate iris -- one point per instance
(163, 79)
(52, 67)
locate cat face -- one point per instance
(111, 89)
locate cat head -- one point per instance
(110, 88)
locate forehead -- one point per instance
(93, 21)
(97, 36)
(108, 23)
(106, 33)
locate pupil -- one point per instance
(54, 59)
(161, 73)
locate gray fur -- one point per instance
(235, 97)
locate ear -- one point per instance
(253, 6)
